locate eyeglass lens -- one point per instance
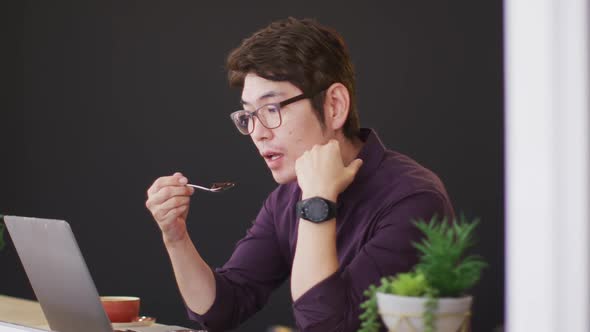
(268, 115)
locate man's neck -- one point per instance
(349, 148)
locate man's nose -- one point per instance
(260, 132)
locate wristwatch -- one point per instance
(316, 209)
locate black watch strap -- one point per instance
(316, 209)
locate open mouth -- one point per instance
(272, 156)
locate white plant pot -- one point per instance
(404, 313)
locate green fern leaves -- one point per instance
(443, 260)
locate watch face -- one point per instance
(316, 210)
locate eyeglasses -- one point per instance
(268, 115)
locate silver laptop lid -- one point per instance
(58, 274)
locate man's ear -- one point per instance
(336, 106)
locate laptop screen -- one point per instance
(58, 274)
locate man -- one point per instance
(341, 217)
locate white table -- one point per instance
(22, 312)
(29, 313)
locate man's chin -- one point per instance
(282, 178)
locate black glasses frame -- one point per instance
(254, 113)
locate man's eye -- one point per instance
(243, 120)
(272, 108)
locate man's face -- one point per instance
(300, 129)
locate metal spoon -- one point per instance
(215, 187)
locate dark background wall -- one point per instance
(103, 97)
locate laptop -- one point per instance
(59, 276)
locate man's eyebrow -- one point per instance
(267, 95)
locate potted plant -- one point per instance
(432, 296)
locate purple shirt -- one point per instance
(374, 239)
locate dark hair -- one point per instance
(308, 55)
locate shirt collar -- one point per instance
(371, 153)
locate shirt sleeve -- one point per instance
(334, 303)
(244, 283)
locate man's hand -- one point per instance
(321, 172)
(168, 201)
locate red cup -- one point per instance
(120, 309)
